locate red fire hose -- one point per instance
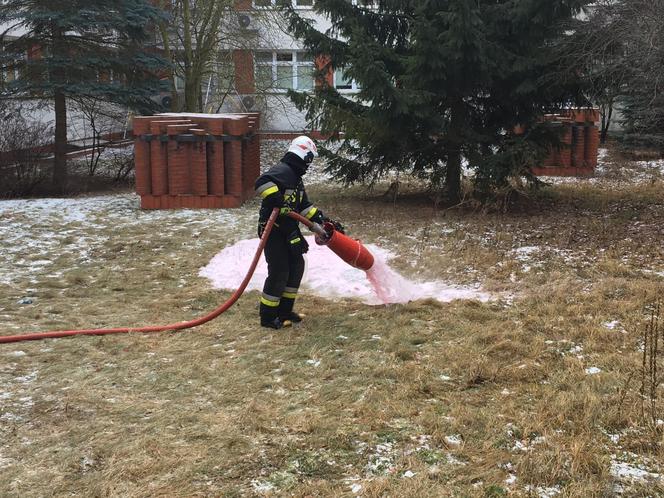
(351, 251)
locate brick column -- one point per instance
(578, 146)
(159, 154)
(158, 158)
(591, 145)
(199, 183)
(237, 127)
(215, 158)
(564, 153)
(179, 153)
(141, 126)
(251, 156)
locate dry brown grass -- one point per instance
(463, 395)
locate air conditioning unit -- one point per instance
(248, 101)
(245, 21)
(252, 103)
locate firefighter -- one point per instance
(281, 187)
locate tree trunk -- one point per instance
(60, 160)
(165, 38)
(192, 92)
(453, 172)
(606, 122)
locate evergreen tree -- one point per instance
(91, 48)
(441, 82)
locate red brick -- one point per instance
(141, 125)
(322, 62)
(237, 126)
(243, 5)
(142, 167)
(198, 159)
(159, 155)
(244, 71)
(233, 168)
(578, 146)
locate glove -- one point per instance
(318, 217)
(337, 225)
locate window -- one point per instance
(343, 83)
(9, 71)
(284, 70)
(369, 4)
(225, 71)
(303, 4)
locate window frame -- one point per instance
(374, 4)
(273, 5)
(10, 69)
(295, 63)
(354, 86)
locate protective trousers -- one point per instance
(285, 266)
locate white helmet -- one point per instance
(304, 148)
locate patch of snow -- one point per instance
(87, 463)
(454, 440)
(16, 353)
(356, 488)
(408, 474)
(27, 379)
(633, 472)
(612, 324)
(33, 230)
(10, 417)
(525, 251)
(544, 492)
(452, 460)
(519, 446)
(262, 486)
(511, 479)
(656, 273)
(5, 462)
(592, 370)
(314, 363)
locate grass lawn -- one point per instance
(535, 393)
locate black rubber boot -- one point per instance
(291, 316)
(275, 323)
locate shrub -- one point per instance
(24, 147)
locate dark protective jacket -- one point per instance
(281, 186)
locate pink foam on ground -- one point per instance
(328, 276)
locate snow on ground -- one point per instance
(615, 173)
(326, 275)
(629, 469)
(34, 232)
